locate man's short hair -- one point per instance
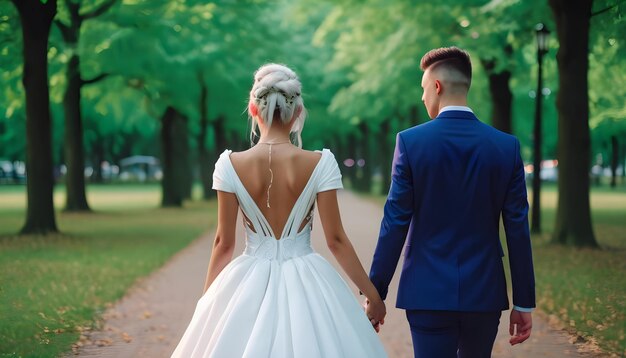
(450, 57)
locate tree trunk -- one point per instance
(175, 154)
(614, 160)
(623, 155)
(76, 199)
(204, 155)
(365, 179)
(535, 227)
(234, 140)
(187, 159)
(98, 152)
(205, 160)
(36, 19)
(386, 157)
(573, 218)
(501, 96)
(220, 134)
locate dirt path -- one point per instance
(151, 318)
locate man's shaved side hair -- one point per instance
(454, 60)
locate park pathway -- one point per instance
(151, 318)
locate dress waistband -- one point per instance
(281, 250)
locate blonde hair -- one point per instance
(276, 93)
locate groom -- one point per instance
(452, 178)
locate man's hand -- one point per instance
(376, 312)
(520, 326)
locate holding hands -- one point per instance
(375, 311)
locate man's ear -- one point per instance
(438, 87)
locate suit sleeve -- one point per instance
(396, 220)
(515, 219)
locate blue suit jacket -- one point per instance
(452, 178)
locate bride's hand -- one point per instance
(376, 312)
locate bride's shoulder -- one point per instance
(235, 157)
(225, 154)
(323, 158)
(330, 156)
(233, 154)
(223, 157)
(319, 153)
(305, 160)
(313, 154)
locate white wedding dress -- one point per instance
(279, 298)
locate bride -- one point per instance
(280, 298)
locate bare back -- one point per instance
(292, 168)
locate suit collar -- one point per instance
(455, 114)
(455, 108)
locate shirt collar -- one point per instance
(455, 108)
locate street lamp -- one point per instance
(542, 48)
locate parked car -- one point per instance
(109, 171)
(6, 171)
(12, 172)
(549, 170)
(140, 168)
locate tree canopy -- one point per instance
(358, 61)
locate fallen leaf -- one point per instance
(104, 342)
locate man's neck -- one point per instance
(453, 102)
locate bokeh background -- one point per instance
(113, 112)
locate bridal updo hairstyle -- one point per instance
(276, 95)
(452, 58)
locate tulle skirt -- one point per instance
(300, 307)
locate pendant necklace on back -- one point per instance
(270, 168)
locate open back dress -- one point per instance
(279, 298)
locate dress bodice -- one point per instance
(280, 250)
(261, 241)
(279, 299)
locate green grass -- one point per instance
(585, 289)
(53, 286)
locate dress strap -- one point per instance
(249, 207)
(305, 202)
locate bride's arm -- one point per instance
(224, 243)
(342, 249)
